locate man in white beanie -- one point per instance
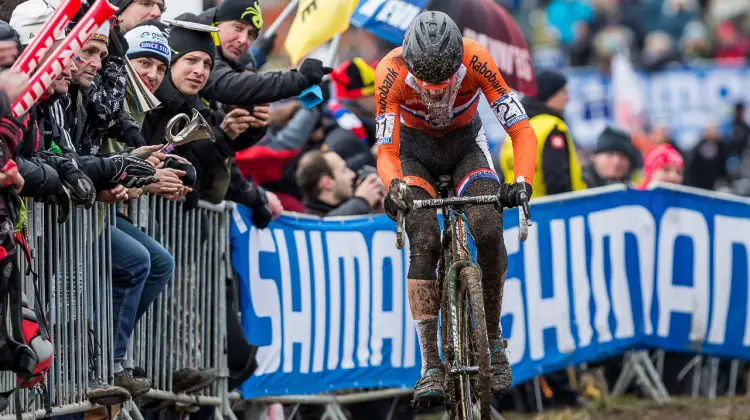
(149, 54)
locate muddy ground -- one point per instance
(634, 409)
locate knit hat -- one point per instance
(245, 10)
(189, 37)
(102, 34)
(148, 41)
(29, 18)
(614, 140)
(548, 83)
(353, 79)
(659, 157)
(121, 5)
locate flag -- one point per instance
(317, 21)
(387, 19)
(627, 95)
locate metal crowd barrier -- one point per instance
(185, 327)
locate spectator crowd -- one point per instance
(655, 33)
(92, 139)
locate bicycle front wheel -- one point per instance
(473, 384)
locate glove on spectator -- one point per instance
(313, 71)
(132, 172)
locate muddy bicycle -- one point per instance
(463, 325)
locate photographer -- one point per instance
(328, 186)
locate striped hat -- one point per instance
(353, 79)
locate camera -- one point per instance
(363, 173)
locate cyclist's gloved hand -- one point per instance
(400, 197)
(313, 71)
(132, 172)
(510, 194)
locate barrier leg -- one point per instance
(655, 376)
(392, 410)
(697, 376)
(713, 366)
(333, 412)
(645, 382)
(734, 370)
(625, 378)
(538, 395)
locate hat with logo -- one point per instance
(245, 10)
(29, 18)
(147, 40)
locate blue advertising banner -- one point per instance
(684, 100)
(387, 19)
(602, 271)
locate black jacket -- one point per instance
(217, 176)
(105, 102)
(230, 84)
(56, 120)
(355, 206)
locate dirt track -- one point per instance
(634, 409)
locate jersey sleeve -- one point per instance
(506, 106)
(388, 120)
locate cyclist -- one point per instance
(427, 94)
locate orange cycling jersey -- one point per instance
(398, 102)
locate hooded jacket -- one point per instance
(230, 84)
(217, 175)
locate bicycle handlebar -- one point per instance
(524, 219)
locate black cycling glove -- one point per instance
(132, 172)
(400, 197)
(510, 194)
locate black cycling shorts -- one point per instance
(463, 154)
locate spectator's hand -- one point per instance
(8, 53)
(371, 190)
(266, 42)
(18, 182)
(313, 71)
(149, 152)
(274, 204)
(118, 45)
(236, 122)
(8, 174)
(133, 172)
(176, 162)
(261, 115)
(61, 197)
(81, 187)
(134, 193)
(13, 84)
(115, 195)
(169, 182)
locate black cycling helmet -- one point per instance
(433, 47)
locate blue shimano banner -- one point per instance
(601, 272)
(387, 19)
